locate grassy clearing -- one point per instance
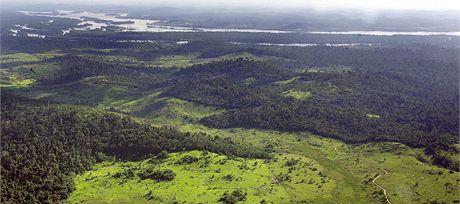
(94, 50)
(115, 59)
(95, 91)
(169, 61)
(26, 57)
(177, 61)
(286, 178)
(286, 82)
(327, 69)
(178, 112)
(36, 70)
(12, 80)
(299, 95)
(410, 181)
(25, 69)
(158, 108)
(239, 55)
(183, 61)
(370, 115)
(352, 167)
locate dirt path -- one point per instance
(381, 187)
(373, 181)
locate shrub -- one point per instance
(228, 177)
(187, 160)
(292, 162)
(158, 175)
(162, 155)
(234, 197)
(124, 174)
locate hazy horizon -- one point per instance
(412, 5)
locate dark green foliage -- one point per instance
(124, 174)
(157, 175)
(187, 160)
(162, 155)
(44, 145)
(229, 177)
(416, 104)
(233, 197)
(219, 83)
(74, 68)
(292, 162)
(282, 177)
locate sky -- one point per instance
(315, 4)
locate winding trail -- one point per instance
(373, 181)
(381, 187)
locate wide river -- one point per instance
(92, 20)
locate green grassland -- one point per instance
(300, 95)
(115, 59)
(206, 180)
(178, 61)
(350, 168)
(90, 91)
(26, 57)
(8, 79)
(370, 115)
(285, 82)
(24, 69)
(167, 61)
(301, 89)
(240, 55)
(327, 69)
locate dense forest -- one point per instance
(45, 145)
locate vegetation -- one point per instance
(233, 197)
(211, 121)
(206, 180)
(340, 111)
(164, 175)
(300, 95)
(79, 137)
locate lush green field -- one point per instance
(27, 58)
(285, 178)
(349, 168)
(23, 69)
(165, 61)
(10, 80)
(300, 95)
